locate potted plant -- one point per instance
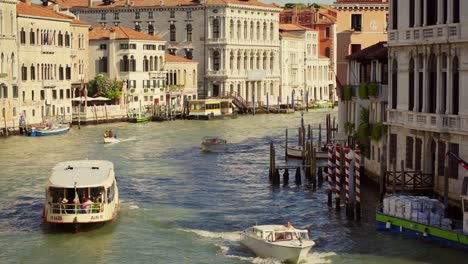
(363, 91)
(347, 95)
(373, 89)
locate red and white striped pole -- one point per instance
(338, 176)
(330, 173)
(346, 150)
(357, 169)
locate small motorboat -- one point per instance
(50, 129)
(81, 192)
(284, 243)
(111, 140)
(213, 144)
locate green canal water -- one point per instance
(183, 206)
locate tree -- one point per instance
(102, 85)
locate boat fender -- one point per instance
(401, 229)
(388, 225)
(426, 232)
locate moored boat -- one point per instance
(284, 243)
(140, 119)
(81, 192)
(213, 144)
(295, 152)
(50, 129)
(424, 218)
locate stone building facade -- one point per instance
(52, 54)
(428, 110)
(235, 42)
(305, 74)
(9, 93)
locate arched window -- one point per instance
(258, 30)
(185, 77)
(2, 64)
(327, 52)
(132, 64)
(60, 38)
(394, 83)
(272, 61)
(194, 78)
(272, 31)
(172, 33)
(188, 54)
(231, 29)
(265, 31)
(151, 29)
(189, 32)
(411, 85)
(22, 36)
(264, 61)
(124, 64)
(67, 40)
(231, 61)
(215, 28)
(239, 27)
(137, 27)
(251, 61)
(455, 86)
(145, 64)
(33, 72)
(32, 37)
(2, 23)
(245, 29)
(432, 85)
(13, 65)
(151, 64)
(216, 60)
(238, 61)
(252, 30)
(24, 73)
(245, 60)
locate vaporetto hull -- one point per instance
(448, 237)
(275, 250)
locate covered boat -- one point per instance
(81, 192)
(284, 243)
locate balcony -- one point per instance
(220, 73)
(157, 74)
(50, 49)
(216, 41)
(49, 83)
(429, 122)
(429, 34)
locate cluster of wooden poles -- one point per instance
(337, 158)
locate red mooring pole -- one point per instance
(338, 176)
(348, 206)
(357, 168)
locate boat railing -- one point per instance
(61, 208)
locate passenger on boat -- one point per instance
(105, 134)
(111, 134)
(86, 205)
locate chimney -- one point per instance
(127, 3)
(56, 8)
(45, 2)
(28, 2)
(90, 3)
(161, 2)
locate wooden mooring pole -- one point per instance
(357, 169)
(286, 147)
(338, 176)
(329, 178)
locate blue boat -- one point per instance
(50, 129)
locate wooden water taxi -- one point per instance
(284, 243)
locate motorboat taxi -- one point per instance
(81, 192)
(213, 144)
(284, 243)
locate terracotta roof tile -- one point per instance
(39, 11)
(143, 3)
(99, 33)
(361, 2)
(172, 58)
(293, 27)
(79, 22)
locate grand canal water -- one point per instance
(183, 206)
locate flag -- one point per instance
(461, 162)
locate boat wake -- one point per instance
(228, 244)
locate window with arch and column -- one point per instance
(394, 83)
(189, 32)
(432, 84)
(172, 32)
(411, 99)
(231, 29)
(455, 86)
(215, 28)
(216, 60)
